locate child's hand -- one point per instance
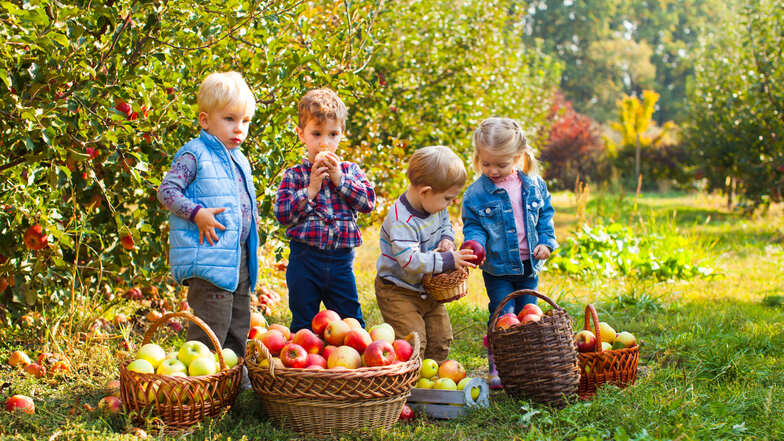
(205, 220)
(464, 258)
(317, 175)
(541, 252)
(446, 245)
(332, 162)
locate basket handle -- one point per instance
(199, 322)
(590, 313)
(514, 295)
(414, 336)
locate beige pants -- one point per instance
(408, 312)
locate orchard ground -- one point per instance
(712, 354)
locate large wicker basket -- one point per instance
(180, 402)
(446, 287)
(537, 360)
(618, 366)
(322, 402)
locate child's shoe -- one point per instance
(492, 378)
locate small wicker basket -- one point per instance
(446, 287)
(618, 366)
(537, 360)
(180, 401)
(322, 402)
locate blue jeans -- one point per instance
(498, 287)
(314, 276)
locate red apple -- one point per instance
(35, 239)
(586, 341)
(322, 319)
(506, 321)
(530, 308)
(379, 353)
(184, 306)
(124, 108)
(406, 414)
(383, 331)
(274, 340)
(451, 369)
(403, 349)
(20, 402)
(256, 332)
(110, 404)
(294, 356)
(477, 248)
(316, 360)
(352, 323)
(328, 349)
(18, 358)
(127, 242)
(344, 357)
(309, 341)
(335, 332)
(530, 318)
(35, 370)
(283, 330)
(358, 339)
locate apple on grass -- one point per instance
(379, 353)
(35, 370)
(322, 319)
(383, 331)
(204, 365)
(191, 350)
(110, 404)
(406, 414)
(429, 368)
(451, 369)
(169, 366)
(112, 387)
(403, 350)
(344, 357)
(308, 340)
(586, 341)
(18, 358)
(20, 402)
(335, 332)
(358, 339)
(152, 353)
(507, 320)
(476, 248)
(294, 356)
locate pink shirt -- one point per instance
(513, 186)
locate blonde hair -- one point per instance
(504, 136)
(322, 105)
(222, 90)
(437, 167)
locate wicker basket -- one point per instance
(446, 287)
(322, 402)
(618, 366)
(180, 401)
(537, 360)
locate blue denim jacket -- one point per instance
(488, 218)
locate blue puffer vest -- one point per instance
(215, 186)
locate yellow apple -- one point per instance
(141, 366)
(429, 368)
(191, 350)
(424, 383)
(152, 353)
(202, 366)
(445, 384)
(607, 332)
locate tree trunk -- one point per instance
(730, 181)
(637, 159)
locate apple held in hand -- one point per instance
(335, 332)
(191, 350)
(383, 331)
(294, 356)
(403, 350)
(379, 353)
(477, 248)
(506, 321)
(586, 341)
(429, 368)
(322, 319)
(345, 357)
(308, 340)
(20, 402)
(358, 339)
(451, 369)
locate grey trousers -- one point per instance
(227, 313)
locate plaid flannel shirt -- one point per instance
(330, 220)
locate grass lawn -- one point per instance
(712, 354)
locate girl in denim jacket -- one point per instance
(508, 211)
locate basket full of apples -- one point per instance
(180, 387)
(335, 377)
(535, 353)
(604, 355)
(453, 285)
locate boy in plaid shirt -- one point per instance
(318, 201)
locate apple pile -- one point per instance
(449, 375)
(47, 362)
(332, 343)
(586, 340)
(529, 314)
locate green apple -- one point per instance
(429, 368)
(171, 355)
(627, 339)
(191, 350)
(230, 357)
(169, 367)
(141, 366)
(474, 390)
(607, 332)
(424, 383)
(445, 384)
(152, 353)
(606, 346)
(203, 366)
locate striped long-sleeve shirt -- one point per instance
(409, 238)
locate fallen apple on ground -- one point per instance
(20, 402)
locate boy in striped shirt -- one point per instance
(417, 239)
